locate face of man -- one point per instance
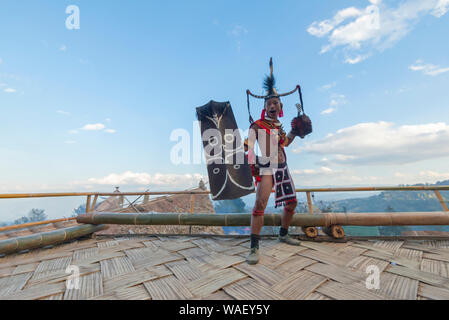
(272, 107)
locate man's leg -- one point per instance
(288, 213)
(262, 195)
(287, 216)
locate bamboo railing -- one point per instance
(90, 207)
(92, 221)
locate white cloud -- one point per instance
(428, 69)
(328, 86)
(377, 26)
(73, 131)
(328, 111)
(334, 103)
(325, 176)
(320, 29)
(63, 112)
(110, 131)
(10, 90)
(93, 127)
(356, 59)
(321, 170)
(427, 176)
(107, 120)
(382, 143)
(130, 178)
(63, 48)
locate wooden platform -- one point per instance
(213, 267)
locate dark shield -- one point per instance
(227, 165)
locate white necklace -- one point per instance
(275, 122)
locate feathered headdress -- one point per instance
(269, 84)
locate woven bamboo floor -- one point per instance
(197, 267)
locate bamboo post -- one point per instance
(88, 204)
(121, 201)
(192, 205)
(440, 198)
(309, 202)
(94, 203)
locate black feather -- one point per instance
(269, 84)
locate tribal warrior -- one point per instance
(270, 168)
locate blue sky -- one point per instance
(92, 108)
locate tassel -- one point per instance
(281, 114)
(262, 116)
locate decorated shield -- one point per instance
(227, 164)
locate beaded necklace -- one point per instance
(275, 124)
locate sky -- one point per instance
(94, 105)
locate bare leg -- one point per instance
(262, 195)
(287, 215)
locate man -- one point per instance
(270, 169)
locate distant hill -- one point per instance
(393, 201)
(399, 201)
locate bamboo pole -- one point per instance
(306, 220)
(47, 238)
(75, 194)
(440, 198)
(192, 206)
(33, 224)
(88, 204)
(94, 203)
(311, 232)
(131, 204)
(309, 202)
(336, 232)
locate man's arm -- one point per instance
(289, 139)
